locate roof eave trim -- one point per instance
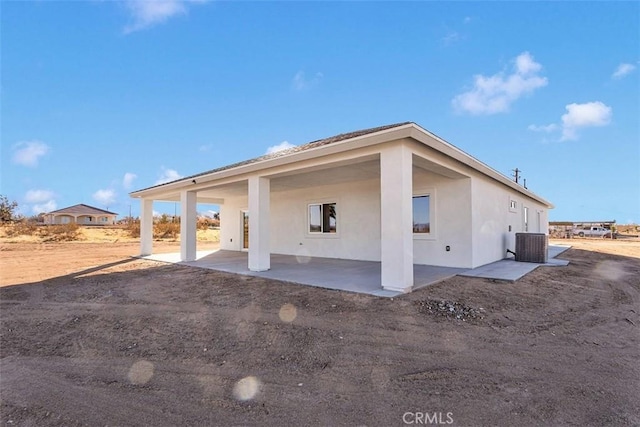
(315, 152)
(467, 159)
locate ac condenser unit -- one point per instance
(531, 247)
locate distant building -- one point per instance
(81, 214)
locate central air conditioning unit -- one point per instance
(531, 247)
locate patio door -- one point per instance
(245, 230)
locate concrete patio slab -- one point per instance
(511, 270)
(350, 275)
(330, 273)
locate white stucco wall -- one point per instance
(358, 208)
(230, 223)
(492, 217)
(451, 224)
(358, 222)
(471, 215)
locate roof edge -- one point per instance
(307, 147)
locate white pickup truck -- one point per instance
(592, 232)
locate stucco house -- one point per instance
(81, 214)
(395, 194)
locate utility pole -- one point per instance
(516, 174)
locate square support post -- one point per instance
(259, 224)
(188, 225)
(146, 227)
(396, 219)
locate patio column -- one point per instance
(259, 245)
(396, 219)
(146, 227)
(188, 225)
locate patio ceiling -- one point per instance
(365, 168)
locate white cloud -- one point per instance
(38, 196)
(584, 115)
(589, 114)
(44, 207)
(147, 13)
(127, 179)
(623, 70)
(495, 94)
(43, 200)
(300, 82)
(28, 153)
(543, 128)
(168, 175)
(284, 145)
(205, 147)
(104, 197)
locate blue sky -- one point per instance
(102, 97)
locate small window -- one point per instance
(526, 218)
(513, 206)
(421, 214)
(323, 218)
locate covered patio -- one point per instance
(350, 275)
(395, 204)
(330, 273)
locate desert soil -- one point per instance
(91, 336)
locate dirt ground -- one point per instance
(91, 336)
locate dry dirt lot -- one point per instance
(90, 336)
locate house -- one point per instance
(81, 214)
(395, 194)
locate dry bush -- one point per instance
(206, 223)
(22, 228)
(133, 229)
(161, 230)
(60, 232)
(48, 233)
(166, 230)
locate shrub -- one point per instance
(207, 223)
(60, 232)
(166, 230)
(133, 229)
(22, 228)
(161, 230)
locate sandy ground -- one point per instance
(90, 336)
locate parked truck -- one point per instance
(592, 232)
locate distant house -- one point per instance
(81, 214)
(396, 194)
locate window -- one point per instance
(513, 205)
(526, 218)
(421, 214)
(323, 218)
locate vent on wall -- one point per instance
(531, 247)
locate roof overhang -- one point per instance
(281, 164)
